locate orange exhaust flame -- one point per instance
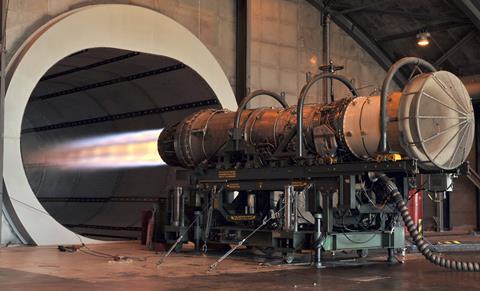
(123, 150)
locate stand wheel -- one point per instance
(391, 256)
(288, 258)
(363, 253)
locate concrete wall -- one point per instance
(212, 21)
(286, 43)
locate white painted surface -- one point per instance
(116, 26)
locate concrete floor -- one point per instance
(40, 268)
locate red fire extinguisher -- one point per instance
(415, 207)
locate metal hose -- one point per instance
(394, 69)
(391, 190)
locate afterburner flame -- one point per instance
(122, 150)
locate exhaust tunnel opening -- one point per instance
(89, 133)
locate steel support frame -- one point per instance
(360, 8)
(364, 40)
(103, 227)
(241, 51)
(123, 199)
(110, 82)
(365, 240)
(391, 12)
(125, 115)
(471, 8)
(430, 28)
(458, 45)
(327, 83)
(326, 179)
(90, 66)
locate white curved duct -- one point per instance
(117, 26)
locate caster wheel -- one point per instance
(363, 253)
(288, 258)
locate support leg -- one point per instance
(287, 211)
(391, 255)
(317, 244)
(197, 232)
(208, 223)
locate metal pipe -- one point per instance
(287, 211)
(241, 40)
(251, 203)
(197, 233)
(295, 211)
(440, 197)
(317, 238)
(176, 206)
(182, 208)
(327, 88)
(394, 69)
(301, 103)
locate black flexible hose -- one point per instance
(391, 190)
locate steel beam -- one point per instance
(104, 227)
(90, 66)
(360, 8)
(430, 28)
(471, 8)
(393, 12)
(361, 37)
(125, 115)
(241, 61)
(129, 199)
(110, 82)
(458, 45)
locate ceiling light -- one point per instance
(423, 38)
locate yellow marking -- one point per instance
(449, 242)
(420, 227)
(395, 157)
(299, 183)
(233, 186)
(242, 217)
(389, 157)
(227, 174)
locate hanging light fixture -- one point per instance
(423, 38)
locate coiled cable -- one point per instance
(391, 190)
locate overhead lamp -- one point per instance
(423, 38)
